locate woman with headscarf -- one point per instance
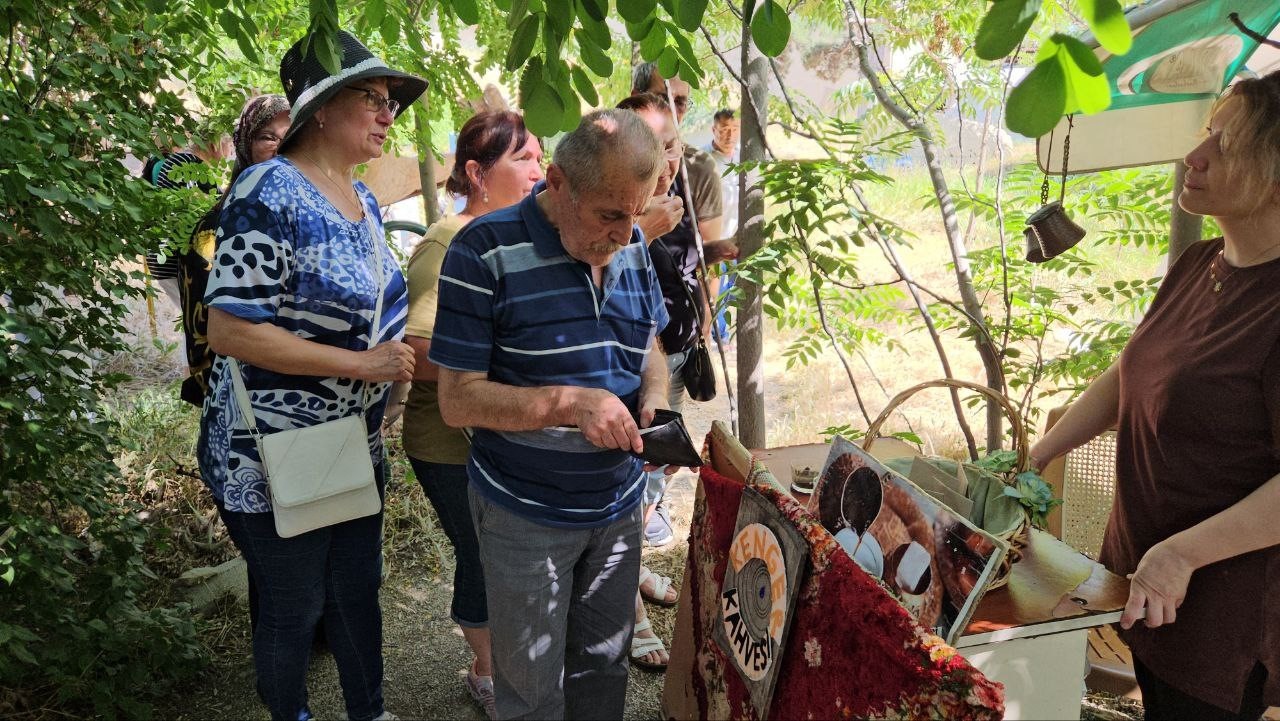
(308, 299)
(263, 122)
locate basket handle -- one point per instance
(1019, 429)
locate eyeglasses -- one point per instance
(376, 101)
(267, 139)
(674, 150)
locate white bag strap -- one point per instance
(237, 376)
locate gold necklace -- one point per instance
(1217, 282)
(336, 185)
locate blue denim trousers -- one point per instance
(657, 478)
(330, 573)
(445, 486)
(561, 613)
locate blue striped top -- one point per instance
(515, 305)
(286, 256)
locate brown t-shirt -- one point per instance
(1199, 429)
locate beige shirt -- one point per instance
(426, 437)
(704, 184)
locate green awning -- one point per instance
(1185, 53)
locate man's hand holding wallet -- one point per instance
(667, 443)
(660, 434)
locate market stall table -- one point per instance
(1032, 634)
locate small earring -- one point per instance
(321, 123)
(486, 196)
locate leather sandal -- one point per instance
(661, 584)
(641, 647)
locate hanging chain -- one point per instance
(1044, 186)
(1066, 158)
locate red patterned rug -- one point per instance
(851, 651)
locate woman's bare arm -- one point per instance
(1095, 411)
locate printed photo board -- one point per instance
(934, 561)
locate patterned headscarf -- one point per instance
(257, 112)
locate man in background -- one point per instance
(157, 171)
(708, 208)
(723, 148)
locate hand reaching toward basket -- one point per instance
(1158, 585)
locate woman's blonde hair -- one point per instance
(1250, 140)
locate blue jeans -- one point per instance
(445, 486)
(331, 573)
(726, 284)
(657, 479)
(562, 615)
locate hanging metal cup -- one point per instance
(1050, 233)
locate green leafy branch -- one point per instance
(545, 34)
(1067, 77)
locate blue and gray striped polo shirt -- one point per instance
(513, 304)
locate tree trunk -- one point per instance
(426, 164)
(1184, 227)
(964, 281)
(951, 224)
(750, 327)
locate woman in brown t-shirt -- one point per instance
(1195, 397)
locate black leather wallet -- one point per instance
(667, 442)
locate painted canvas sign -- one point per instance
(766, 560)
(934, 561)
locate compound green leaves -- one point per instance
(1068, 77)
(1106, 20)
(1004, 26)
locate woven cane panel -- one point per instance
(1089, 482)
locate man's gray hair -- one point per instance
(606, 137)
(642, 77)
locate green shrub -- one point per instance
(82, 627)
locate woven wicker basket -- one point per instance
(1018, 536)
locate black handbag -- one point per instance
(667, 441)
(698, 375)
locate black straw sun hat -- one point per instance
(308, 85)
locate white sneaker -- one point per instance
(481, 689)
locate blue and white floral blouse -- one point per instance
(286, 255)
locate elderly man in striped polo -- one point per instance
(546, 339)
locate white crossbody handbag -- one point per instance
(323, 474)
